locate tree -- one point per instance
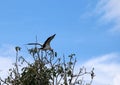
(46, 69)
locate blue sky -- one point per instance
(90, 29)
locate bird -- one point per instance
(46, 45)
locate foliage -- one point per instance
(46, 69)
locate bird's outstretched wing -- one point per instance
(47, 42)
(34, 44)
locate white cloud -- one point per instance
(107, 69)
(116, 80)
(7, 57)
(5, 64)
(110, 12)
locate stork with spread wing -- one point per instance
(46, 45)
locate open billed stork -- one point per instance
(46, 46)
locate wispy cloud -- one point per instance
(110, 13)
(5, 65)
(6, 59)
(107, 69)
